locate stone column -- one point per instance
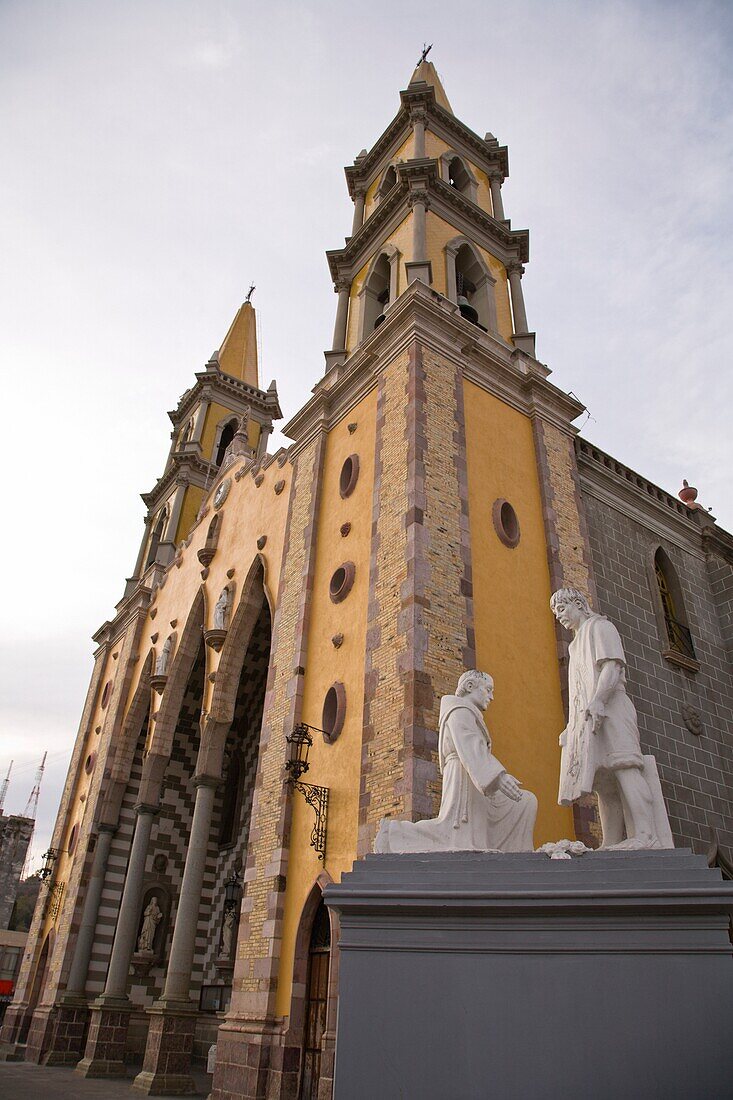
(418, 124)
(358, 212)
(265, 432)
(169, 1047)
(337, 354)
(105, 1050)
(85, 939)
(343, 289)
(198, 424)
(419, 267)
(523, 339)
(495, 182)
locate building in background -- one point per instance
(322, 599)
(15, 836)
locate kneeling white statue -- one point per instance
(482, 807)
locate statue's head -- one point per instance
(570, 607)
(477, 686)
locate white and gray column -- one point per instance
(77, 980)
(358, 211)
(180, 962)
(129, 918)
(343, 289)
(419, 118)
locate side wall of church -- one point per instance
(695, 769)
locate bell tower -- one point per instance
(476, 514)
(205, 422)
(428, 207)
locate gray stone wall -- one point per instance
(15, 836)
(696, 770)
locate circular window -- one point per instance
(349, 476)
(341, 581)
(73, 835)
(506, 523)
(334, 712)
(106, 692)
(90, 762)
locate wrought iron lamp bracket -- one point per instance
(317, 799)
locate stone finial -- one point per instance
(688, 494)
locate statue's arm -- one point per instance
(483, 768)
(606, 684)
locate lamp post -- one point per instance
(299, 744)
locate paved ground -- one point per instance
(25, 1081)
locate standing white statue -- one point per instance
(601, 751)
(161, 665)
(227, 933)
(482, 807)
(151, 919)
(221, 610)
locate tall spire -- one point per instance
(238, 352)
(427, 72)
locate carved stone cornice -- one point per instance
(213, 385)
(184, 469)
(507, 244)
(422, 314)
(418, 195)
(488, 156)
(617, 485)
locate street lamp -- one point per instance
(299, 744)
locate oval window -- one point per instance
(73, 835)
(349, 476)
(90, 762)
(334, 712)
(506, 523)
(342, 581)
(106, 692)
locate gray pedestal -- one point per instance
(472, 975)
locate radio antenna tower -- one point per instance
(4, 788)
(32, 804)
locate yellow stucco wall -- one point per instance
(189, 511)
(515, 636)
(336, 766)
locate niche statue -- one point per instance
(221, 609)
(482, 807)
(601, 751)
(151, 919)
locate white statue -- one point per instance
(151, 919)
(227, 933)
(221, 610)
(601, 750)
(161, 664)
(482, 807)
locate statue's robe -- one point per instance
(587, 756)
(474, 815)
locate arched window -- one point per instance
(316, 1005)
(227, 435)
(156, 538)
(456, 172)
(474, 288)
(673, 606)
(376, 295)
(186, 433)
(389, 179)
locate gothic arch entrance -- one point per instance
(316, 1003)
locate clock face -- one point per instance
(222, 492)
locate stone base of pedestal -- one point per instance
(57, 1035)
(167, 1063)
(15, 1028)
(104, 1054)
(253, 1062)
(473, 974)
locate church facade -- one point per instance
(322, 599)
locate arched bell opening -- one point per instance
(376, 294)
(471, 285)
(676, 623)
(156, 537)
(225, 438)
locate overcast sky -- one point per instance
(157, 156)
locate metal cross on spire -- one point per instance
(250, 292)
(425, 51)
